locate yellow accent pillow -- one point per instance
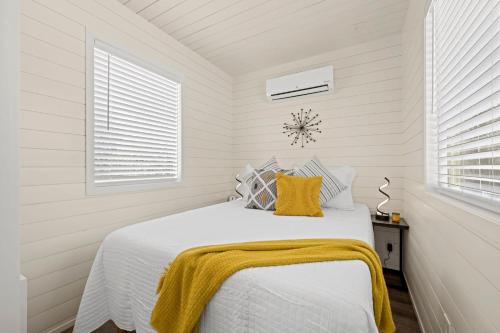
(298, 196)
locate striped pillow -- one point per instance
(272, 164)
(330, 187)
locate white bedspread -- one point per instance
(316, 297)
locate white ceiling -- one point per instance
(245, 35)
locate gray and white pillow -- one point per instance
(262, 190)
(244, 177)
(330, 186)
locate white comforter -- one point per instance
(315, 297)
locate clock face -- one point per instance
(303, 127)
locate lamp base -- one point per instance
(382, 217)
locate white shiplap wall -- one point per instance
(61, 227)
(361, 119)
(453, 250)
(374, 121)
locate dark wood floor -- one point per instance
(402, 309)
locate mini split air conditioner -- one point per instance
(314, 81)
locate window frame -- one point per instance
(430, 120)
(91, 187)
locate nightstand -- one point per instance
(398, 228)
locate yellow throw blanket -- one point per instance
(196, 274)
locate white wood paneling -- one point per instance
(374, 121)
(361, 120)
(12, 291)
(62, 227)
(452, 248)
(244, 36)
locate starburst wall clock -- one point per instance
(303, 127)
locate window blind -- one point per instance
(462, 40)
(136, 114)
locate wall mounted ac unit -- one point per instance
(314, 81)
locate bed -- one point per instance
(314, 297)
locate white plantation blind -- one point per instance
(136, 122)
(463, 99)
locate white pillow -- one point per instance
(241, 177)
(343, 200)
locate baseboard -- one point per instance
(422, 329)
(61, 326)
(23, 292)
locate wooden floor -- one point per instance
(402, 309)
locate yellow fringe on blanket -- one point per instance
(196, 274)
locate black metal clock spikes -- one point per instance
(303, 127)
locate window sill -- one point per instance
(92, 190)
(464, 205)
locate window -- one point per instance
(462, 100)
(133, 122)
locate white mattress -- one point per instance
(315, 297)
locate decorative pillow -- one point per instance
(262, 190)
(244, 176)
(272, 164)
(344, 201)
(298, 196)
(331, 186)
